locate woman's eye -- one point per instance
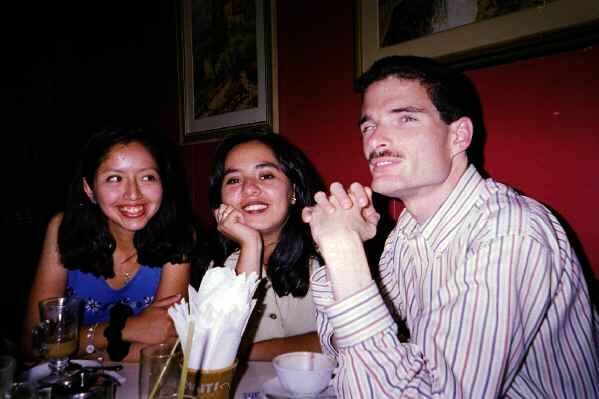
(267, 176)
(150, 178)
(407, 118)
(113, 179)
(232, 180)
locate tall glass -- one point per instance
(60, 331)
(159, 371)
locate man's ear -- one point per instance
(88, 191)
(461, 135)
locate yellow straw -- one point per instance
(161, 375)
(186, 354)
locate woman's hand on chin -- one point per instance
(231, 223)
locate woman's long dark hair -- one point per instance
(289, 265)
(84, 240)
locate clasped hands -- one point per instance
(342, 212)
(340, 223)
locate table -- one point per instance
(254, 376)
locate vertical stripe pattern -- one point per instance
(494, 298)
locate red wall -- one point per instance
(540, 116)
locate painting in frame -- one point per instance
(471, 33)
(228, 68)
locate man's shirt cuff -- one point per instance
(359, 317)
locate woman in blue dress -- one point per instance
(122, 245)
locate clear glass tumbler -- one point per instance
(59, 319)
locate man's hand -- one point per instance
(339, 225)
(357, 197)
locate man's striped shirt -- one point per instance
(494, 298)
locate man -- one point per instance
(484, 278)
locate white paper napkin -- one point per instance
(220, 310)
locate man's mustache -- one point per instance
(382, 153)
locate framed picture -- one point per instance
(472, 33)
(228, 67)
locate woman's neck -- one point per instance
(123, 238)
(125, 248)
(269, 248)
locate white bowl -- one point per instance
(304, 373)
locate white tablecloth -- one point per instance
(256, 374)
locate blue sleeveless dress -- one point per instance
(98, 297)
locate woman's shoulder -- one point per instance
(56, 220)
(53, 226)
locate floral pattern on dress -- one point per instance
(129, 302)
(148, 301)
(92, 306)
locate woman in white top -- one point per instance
(258, 187)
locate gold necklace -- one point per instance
(126, 274)
(127, 277)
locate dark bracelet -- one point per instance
(117, 348)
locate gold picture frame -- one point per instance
(227, 84)
(556, 25)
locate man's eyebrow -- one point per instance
(407, 109)
(412, 109)
(364, 118)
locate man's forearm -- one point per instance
(346, 263)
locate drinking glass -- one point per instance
(159, 372)
(7, 371)
(60, 332)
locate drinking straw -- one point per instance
(186, 354)
(161, 375)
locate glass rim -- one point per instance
(61, 301)
(163, 349)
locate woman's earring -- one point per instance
(293, 198)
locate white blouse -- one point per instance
(277, 317)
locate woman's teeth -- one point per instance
(254, 207)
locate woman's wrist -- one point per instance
(253, 246)
(117, 347)
(90, 339)
(250, 257)
(129, 331)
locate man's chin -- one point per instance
(390, 187)
(383, 185)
